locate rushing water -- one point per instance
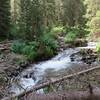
(55, 67)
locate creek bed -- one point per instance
(57, 67)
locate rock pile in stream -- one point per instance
(86, 55)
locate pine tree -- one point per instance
(73, 12)
(4, 17)
(93, 15)
(48, 10)
(92, 7)
(14, 11)
(30, 20)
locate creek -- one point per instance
(50, 69)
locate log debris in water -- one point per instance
(74, 95)
(43, 85)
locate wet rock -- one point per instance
(73, 44)
(87, 56)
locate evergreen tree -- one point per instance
(4, 17)
(93, 15)
(14, 11)
(73, 12)
(48, 10)
(59, 11)
(92, 7)
(30, 20)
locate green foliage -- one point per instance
(98, 13)
(92, 7)
(26, 19)
(49, 52)
(45, 46)
(47, 90)
(18, 46)
(48, 11)
(95, 25)
(71, 36)
(73, 33)
(48, 45)
(4, 17)
(98, 50)
(28, 49)
(31, 17)
(58, 30)
(14, 32)
(49, 41)
(2, 38)
(73, 11)
(98, 47)
(93, 15)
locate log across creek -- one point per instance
(43, 85)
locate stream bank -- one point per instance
(69, 61)
(60, 65)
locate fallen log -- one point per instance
(71, 95)
(43, 85)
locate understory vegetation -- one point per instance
(32, 31)
(98, 47)
(36, 25)
(45, 46)
(74, 33)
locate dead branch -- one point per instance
(43, 85)
(71, 95)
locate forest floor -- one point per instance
(10, 65)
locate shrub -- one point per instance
(45, 46)
(73, 33)
(95, 25)
(49, 52)
(98, 50)
(58, 30)
(98, 47)
(70, 37)
(29, 49)
(18, 46)
(49, 43)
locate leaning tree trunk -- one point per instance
(74, 95)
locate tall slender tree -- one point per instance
(30, 20)
(73, 12)
(4, 17)
(15, 11)
(48, 10)
(92, 7)
(93, 15)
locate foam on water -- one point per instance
(23, 85)
(91, 45)
(59, 62)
